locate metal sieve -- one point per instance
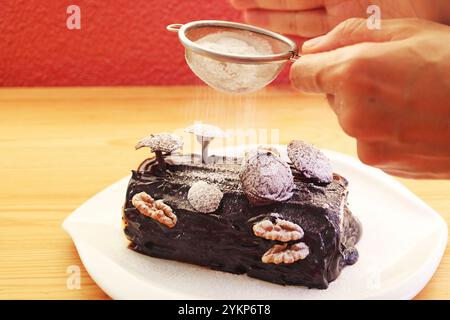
(213, 52)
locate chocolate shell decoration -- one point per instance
(159, 143)
(266, 178)
(205, 133)
(310, 162)
(204, 197)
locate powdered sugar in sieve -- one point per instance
(230, 76)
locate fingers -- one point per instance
(331, 98)
(416, 175)
(277, 4)
(308, 75)
(349, 32)
(325, 72)
(405, 161)
(355, 30)
(425, 150)
(311, 23)
(305, 18)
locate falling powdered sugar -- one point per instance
(234, 77)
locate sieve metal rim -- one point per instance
(190, 45)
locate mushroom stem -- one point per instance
(205, 147)
(205, 133)
(160, 160)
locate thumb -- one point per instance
(350, 32)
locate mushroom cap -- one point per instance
(164, 142)
(310, 161)
(206, 131)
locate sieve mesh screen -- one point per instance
(257, 39)
(229, 76)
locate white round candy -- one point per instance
(204, 197)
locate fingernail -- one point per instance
(313, 42)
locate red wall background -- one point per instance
(121, 42)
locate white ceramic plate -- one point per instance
(402, 244)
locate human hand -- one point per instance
(312, 18)
(390, 89)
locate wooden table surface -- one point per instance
(58, 147)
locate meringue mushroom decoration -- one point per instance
(159, 144)
(205, 133)
(310, 161)
(266, 178)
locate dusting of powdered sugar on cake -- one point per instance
(225, 175)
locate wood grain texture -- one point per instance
(59, 147)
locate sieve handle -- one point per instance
(295, 57)
(174, 27)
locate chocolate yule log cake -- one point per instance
(283, 222)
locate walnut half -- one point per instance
(157, 210)
(282, 230)
(286, 254)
